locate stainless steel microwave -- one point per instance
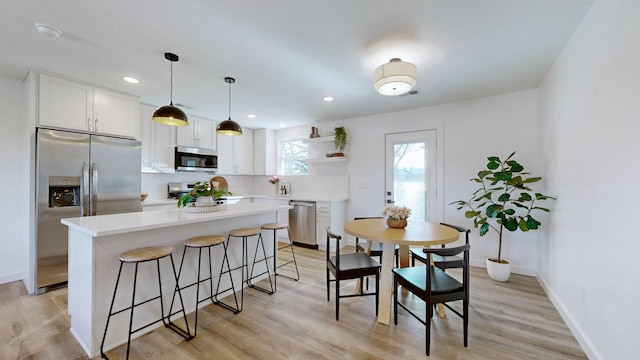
(195, 159)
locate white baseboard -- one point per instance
(514, 269)
(576, 330)
(7, 278)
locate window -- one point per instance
(292, 152)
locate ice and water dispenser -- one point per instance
(64, 191)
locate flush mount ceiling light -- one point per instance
(229, 127)
(48, 30)
(395, 77)
(169, 114)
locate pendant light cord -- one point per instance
(171, 87)
(229, 100)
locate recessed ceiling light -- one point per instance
(251, 116)
(283, 125)
(47, 30)
(328, 98)
(130, 80)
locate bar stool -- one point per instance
(275, 227)
(200, 242)
(137, 256)
(245, 233)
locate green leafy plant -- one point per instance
(504, 199)
(201, 189)
(340, 138)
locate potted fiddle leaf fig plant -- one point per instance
(504, 200)
(203, 193)
(339, 140)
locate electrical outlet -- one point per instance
(584, 294)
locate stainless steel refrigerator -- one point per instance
(78, 174)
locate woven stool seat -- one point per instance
(274, 226)
(145, 254)
(245, 232)
(204, 241)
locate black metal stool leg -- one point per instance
(186, 334)
(268, 272)
(104, 336)
(215, 299)
(133, 300)
(295, 263)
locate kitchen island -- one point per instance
(96, 242)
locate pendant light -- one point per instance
(229, 127)
(169, 114)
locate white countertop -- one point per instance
(103, 225)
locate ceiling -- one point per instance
(286, 55)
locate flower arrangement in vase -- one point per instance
(275, 181)
(396, 216)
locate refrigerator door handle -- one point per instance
(94, 188)
(84, 189)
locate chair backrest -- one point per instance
(460, 229)
(332, 235)
(452, 251)
(361, 218)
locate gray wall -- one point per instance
(15, 164)
(589, 116)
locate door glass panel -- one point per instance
(411, 173)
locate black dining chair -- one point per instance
(376, 248)
(442, 262)
(433, 286)
(354, 265)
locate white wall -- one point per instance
(589, 112)
(14, 160)
(468, 132)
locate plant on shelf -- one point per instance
(396, 216)
(504, 200)
(274, 180)
(340, 140)
(202, 189)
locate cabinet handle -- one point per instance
(89, 124)
(95, 127)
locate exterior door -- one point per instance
(411, 173)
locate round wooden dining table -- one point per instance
(417, 233)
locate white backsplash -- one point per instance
(317, 185)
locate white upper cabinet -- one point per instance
(235, 154)
(71, 105)
(200, 133)
(158, 143)
(264, 152)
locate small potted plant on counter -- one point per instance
(203, 193)
(504, 200)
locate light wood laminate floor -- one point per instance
(512, 320)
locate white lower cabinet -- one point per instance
(330, 214)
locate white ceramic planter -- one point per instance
(204, 201)
(498, 271)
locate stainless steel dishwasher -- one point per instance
(302, 223)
